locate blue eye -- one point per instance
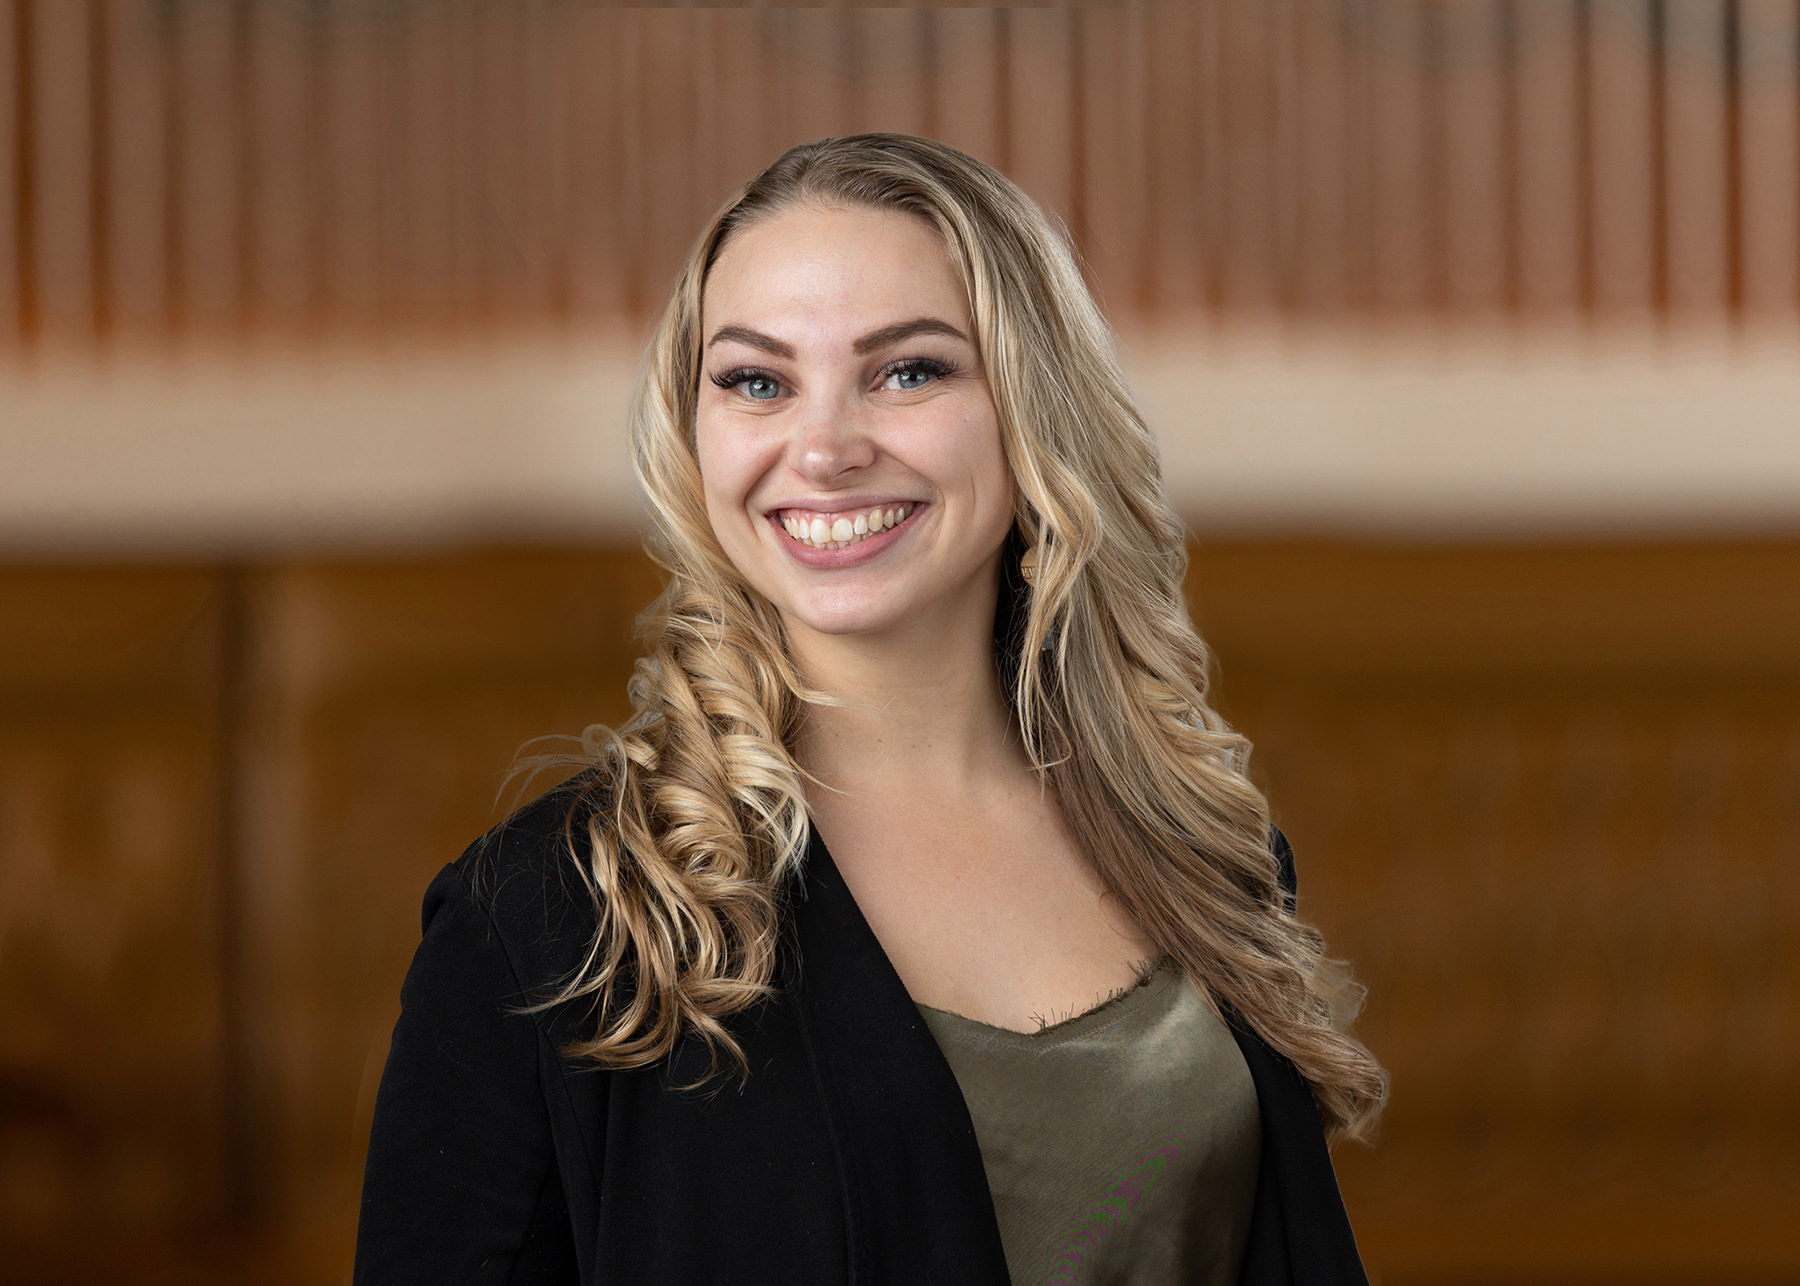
(910, 376)
(758, 386)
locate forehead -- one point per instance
(812, 271)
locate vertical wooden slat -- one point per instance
(100, 149)
(816, 45)
(464, 112)
(252, 164)
(709, 126)
(1548, 155)
(744, 87)
(1354, 136)
(277, 42)
(599, 186)
(669, 188)
(1695, 114)
(1111, 165)
(1280, 49)
(1435, 164)
(1176, 108)
(548, 75)
(12, 187)
(1734, 158)
(630, 74)
(1475, 155)
(930, 124)
(1399, 133)
(396, 179)
(1141, 259)
(1511, 186)
(1769, 114)
(891, 50)
(1621, 181)
(521, 199)
(135, 235)
(1043, 52)
(209, 179)
(60, 126)
(502, 239)
(542, 150)
(1247, 127)
(351, 210)
(426, 265)
(174, 158)
(1003, 97)
(967, 81)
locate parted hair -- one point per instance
(697, 815)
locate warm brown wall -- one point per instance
(1547, 800)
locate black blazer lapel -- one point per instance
(1299, 1232)
(916, 1196)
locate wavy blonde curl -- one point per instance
(698, 816)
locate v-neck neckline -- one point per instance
(1121, 1004)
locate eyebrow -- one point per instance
(867, 344)
(754, 338)
(906, 330)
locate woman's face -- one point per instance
(845, 430)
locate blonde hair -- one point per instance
(698, 815)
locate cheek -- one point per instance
(730, 467)
(986, 461)
(721, 471)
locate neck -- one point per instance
(924, 714)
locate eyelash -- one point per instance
(929, 365)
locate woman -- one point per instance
(922, 925)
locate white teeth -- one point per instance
(844, 529)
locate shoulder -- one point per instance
(526, 879)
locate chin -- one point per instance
(845, 621)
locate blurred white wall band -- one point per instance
(1435, 438)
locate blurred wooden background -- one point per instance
(246, 169)
(1546, 795)
(1546, 799)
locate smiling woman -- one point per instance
(923, 827)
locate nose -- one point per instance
(830, 441)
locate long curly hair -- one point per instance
(697, 815)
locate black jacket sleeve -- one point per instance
(462, 1183)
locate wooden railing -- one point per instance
(284, 169)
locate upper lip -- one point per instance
(841, 505)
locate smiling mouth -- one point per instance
(839, 531)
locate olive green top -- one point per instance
(1121, 1145)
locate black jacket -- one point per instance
(846, 1157)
